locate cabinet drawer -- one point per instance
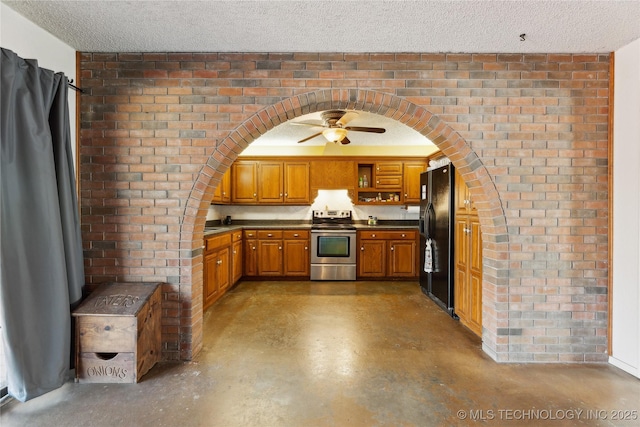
(250, 234)
(388, 235)
(296, 234)
(214, 242)
(270, 234)
(236, 236)
(388, 168)
(392, 182)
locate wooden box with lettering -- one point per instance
(117, 332)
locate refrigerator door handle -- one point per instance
(430, 220)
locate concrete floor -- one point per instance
(340, 354)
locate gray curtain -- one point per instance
(41, 249)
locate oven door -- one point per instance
(333, 246)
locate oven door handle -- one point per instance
(334, 231)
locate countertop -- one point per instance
(212, 229)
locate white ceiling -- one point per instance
(471, 26)
(568, 26)
(396, 133)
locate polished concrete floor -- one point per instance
(340, 354)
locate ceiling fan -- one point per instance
(335, 124)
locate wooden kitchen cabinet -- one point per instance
(277, 253)
(468, 260)
(463, 203)
(222, 194)
(402, 258)
(388, 175)
(217, 268)
(270, 182)
(411, 181)
(387, 254)
(372, 258)
(244, 181)
(250, 239)
(383, 182)
(270, 253)
(296, 183)
(236, 256)
(296, 253)
(267, 181)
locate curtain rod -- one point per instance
(75, 87)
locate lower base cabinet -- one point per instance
(387, 254)
(223, 265)
(236, 256)
(217, 268)
(297, 261)
(277, 253)
(270, 253)
(250, 244)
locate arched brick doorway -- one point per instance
(492, 217)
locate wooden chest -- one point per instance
(118, 333)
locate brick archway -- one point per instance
(492, 217)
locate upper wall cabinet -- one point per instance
(395, 182)
(270, 182)
(411, 181)
(244, 181)
(297, 181)
(222, 195)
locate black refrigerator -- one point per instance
(436, 235)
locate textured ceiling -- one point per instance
(470, 26)
(476, 26)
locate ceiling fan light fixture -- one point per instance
(334, 134)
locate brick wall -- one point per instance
(528, 133)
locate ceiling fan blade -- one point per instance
(310, 137)
(366, 129)
(345, 141)
(308, 124)
(346, 118)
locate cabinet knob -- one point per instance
(279, 247)
(269, 235)
(373, 235)
(306, 248)
(253, 248)
(362, 248)
(219, 262)
(280, 194)
(392, 248)
(296, 235)
(255, 195)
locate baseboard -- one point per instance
(633, 370)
